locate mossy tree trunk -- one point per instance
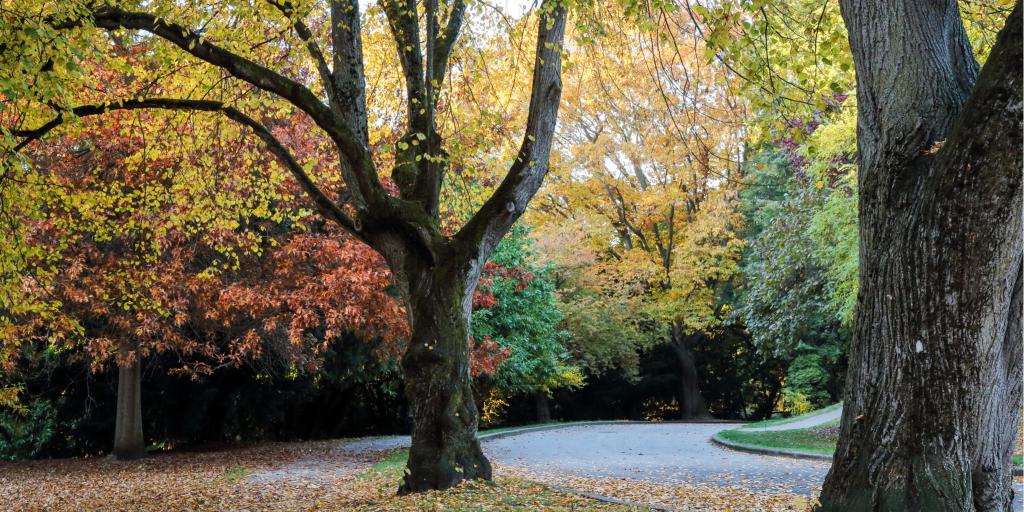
(438, 384)
(934, 387)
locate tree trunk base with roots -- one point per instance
(445, 449)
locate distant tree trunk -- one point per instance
(543, 407)
(128, 441)
(933, 393)
(445, 449)
(691, 402)
(766, 407)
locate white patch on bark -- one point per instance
(918, 347)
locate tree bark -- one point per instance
(543, 407)
(691, 401)
(934, 390)
(444, 449)
(128, 440)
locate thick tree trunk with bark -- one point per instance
(934, 387)
(128, 441)
(445, 449)
(691, 401)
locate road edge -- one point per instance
(792, 454)
(762, 450)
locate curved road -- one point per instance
(671, 453)
(665, 453)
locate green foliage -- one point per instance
(525, 321)
(605, 334)
(28, 432)
(809, 380)
(796, 279)
(785, 301)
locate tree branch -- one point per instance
(287, 8)
(446, 43)
(349, 77)
(324, 205)
(359, 174)
(483, 232)
(405, 30)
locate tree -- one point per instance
(934, 391)
(647, 146)
(146, 265)
(523, 319)
(784, 302)
(435, 274)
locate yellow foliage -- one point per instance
(9, 398)
(493, 408)
(659, 410)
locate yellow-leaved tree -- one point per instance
(648, 152)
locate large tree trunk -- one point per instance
(128, 441)
(934, 386)
(691, 402)
(444, 449)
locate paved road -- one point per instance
(673, 453)
(813, 421)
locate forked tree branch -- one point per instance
(483, 232)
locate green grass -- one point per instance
(236, 473)
(821, 439)
(782, 421)
(812, 440)
(392, 466)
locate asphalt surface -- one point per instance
(813, 421)
(671, 453)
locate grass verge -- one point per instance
(821, 439)
(791, 419)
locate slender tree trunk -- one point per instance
(934, 387)
(444, 449)
(543, 407)
(128, 441)
(691, 402)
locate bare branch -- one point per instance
(443, 50)
(405, 30)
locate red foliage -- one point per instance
(482, 296)
(486, 357)
(309, 284)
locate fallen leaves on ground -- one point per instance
(269, 477)
(691, 497)
(319, 476)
